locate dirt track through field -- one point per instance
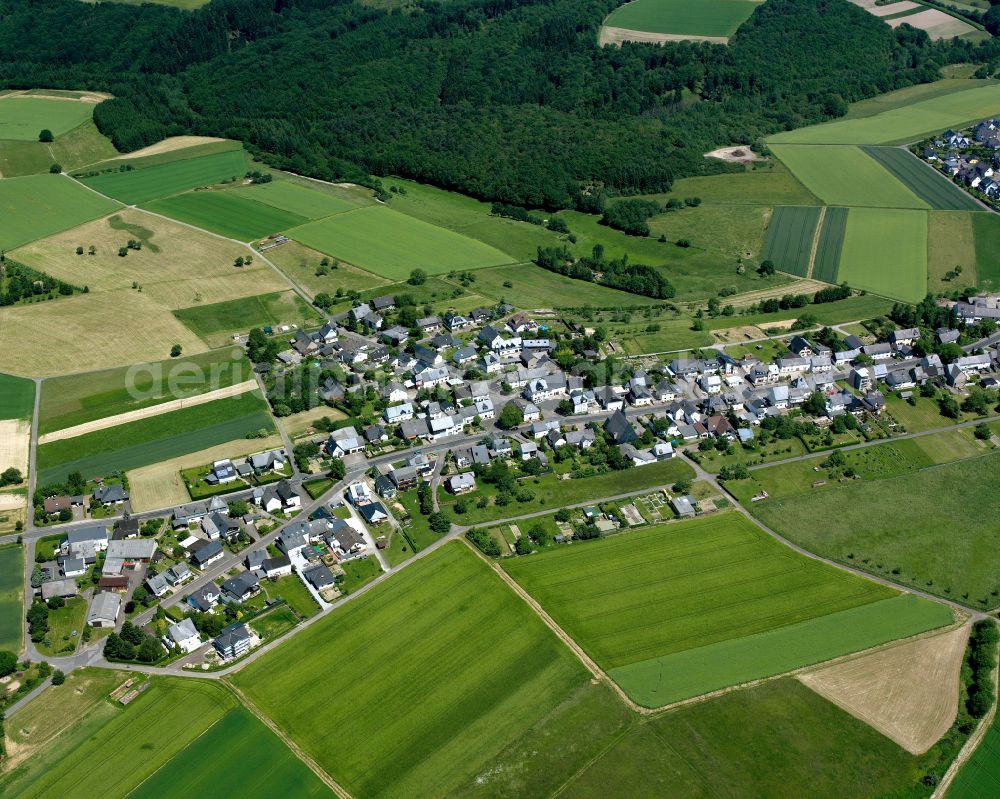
(908, 692)
(146, 413)
(15, 438)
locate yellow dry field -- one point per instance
(908, 692)
(938, 24)
(13, 509)
(177, 266)
(892, 8)
(15, 438)
(612, 35)
(160, 485)
(299, 424)
(89, 332)
(169, 145)
(146, 413)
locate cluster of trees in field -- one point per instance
(617, 273)
(507, 100)
(19, 283)
(133, 643)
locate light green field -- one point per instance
(765, 183)
(11, 596)
(950, 243)
(215, 323)
(296, 199)
(82, 145)
(302, 265)
(705, 18)
(226, 213)
(392, 244)
(844, 175)
(173, 177)
(534, 287)
(910, 122)
(23, 118)
(885, 251)
(429, 719)
(39, 205)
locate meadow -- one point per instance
(908, 122)
(392, 244)
(111, 750)
(885, 251)
(215, 323)
(82, 145)
(790, 238)
(295, 199)
(430, 720)
(23, 117)
(152, 182)
(36, 206)
(534, 287)
(706, 18)
(227, 213)
(238, 741)
(830, 246)
(951, 242)
(302, 266)
(845, 175)
(71, 400)
(733, 230)
(763, 183)
(158, 438)
(17, 397)
(924, 181)
(11, 596)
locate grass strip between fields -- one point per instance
(663, 680)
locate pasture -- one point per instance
(22, 117)
(790, 236)
(392, 244)
(830, 246)
(926, 182)
(940, 535)
(429, 720)
(17, 397)
(11, 596)
(227, 214)
(752, 744)
(717, 18)
(36, 206)
(239, 740)
(294, 198)
(148, 441)
(844, 175)
(172, 177)
(176, 267)
(216, 323)
(885, 252)
(112, 749)
(910, 121)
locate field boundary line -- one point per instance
(971, 743)
(549, 622)
(297, 750)
(165, 764)
(147, 413)
(817, 233)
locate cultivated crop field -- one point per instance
(215, 323)
(885, 251)
(227, 213)
(429, 720)
(979, 778)
(830, 245)
(295, 198)
(149, 441)
(36, 206)
(22, 117)
(706, 18)
(392, 244)
(17, 397)
(147, 183)
(987, 237)
(11, 596)
(936, 23)
(790, 237)
(927, 183)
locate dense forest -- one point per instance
(506, 100)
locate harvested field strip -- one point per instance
(938, 24)
(831, 243)
(663, 680)
(226, 213)
(927, 183)
(790, 238)
(908, 692)
(885, 251)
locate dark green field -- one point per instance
(17, 397)
(790, 238)
(152, 440)
(228, 214)
(11, 592)
(986, 228)
(831, 242)
(979, 778)
(927, 183)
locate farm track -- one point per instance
(815, 245)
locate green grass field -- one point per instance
(238, 741)
(764, 183)
(227, 213)
(909, 122)
(23, 118)
(82, 145)
(927, 183)
(214, 323)
(294, 592)
(534, 287)
(733, 230)
(951, 242)
(17, 397)
(845, 175)
(885, 251)
(676, 590)
(830, 245)
(705, 18)
(979, 778)
(173, 177)
(11, 596)
(155, 439)
(790, 238)
(986, 228)
(76, 399)
(392, 244)
(18, 158)
(295, 199)
(430, 719)
(37, 206)
(937, 527)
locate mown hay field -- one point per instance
(22, 117)
(885, 252)
(705, 18)
(392, 244)
(36, 206)
(924, 181)
(227, 213)
(431, 718)
(790, 238)
(215, 323)
(148, 183)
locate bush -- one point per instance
(484, 542)
(8, 663)
(58, 677)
